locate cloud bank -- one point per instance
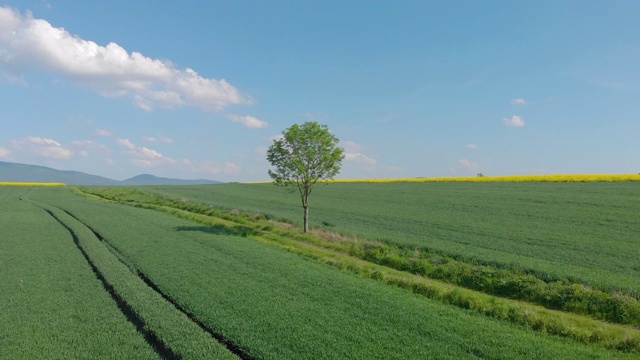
(28, 44)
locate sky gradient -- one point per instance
(411, 88)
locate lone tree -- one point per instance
(304, 155)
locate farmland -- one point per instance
(223, 279)
(578, 231)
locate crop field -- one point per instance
(585, 232)
(208, 272)
(52, 304)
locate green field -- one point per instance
(223, 290)
(580, 231)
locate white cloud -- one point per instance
(261, 150)
(160, 138)
(468, 164)
(514, 121)
(359, 158)
(126, 143)
(473, 147)
(4, 152)
(102, 133)
(519, 101)
(34, 44)
(353, 153)
(42, 147)
(248, 121)
(144, 157)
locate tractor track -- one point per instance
(149, 336)
(233, 348)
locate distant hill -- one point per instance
(13, 172)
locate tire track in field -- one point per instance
(150, 337)
(235, 349)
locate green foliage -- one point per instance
(304, 155)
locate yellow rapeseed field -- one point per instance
(29, 184)
(520, 178)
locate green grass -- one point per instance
(53, 306)
(385, 263)
(180, 336)
(276, 304)
(573, 232)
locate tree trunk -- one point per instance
(306, 218)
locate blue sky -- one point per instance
(195, 89)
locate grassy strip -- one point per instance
(173, 328)
(579, 328)
(569, 297)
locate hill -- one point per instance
(14, 172)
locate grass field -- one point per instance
(584, 232)
(234, 284)
(274, 304)
(52, 304)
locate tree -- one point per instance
(304, 155)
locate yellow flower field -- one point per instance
(29, 184)
(521, 178)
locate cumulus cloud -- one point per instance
(248, 121)
(160, 138)
(514, 121)
(519, 101)
(4, 152)
(353, 153)
(144, 157)
(28, 44)
(473, 147)
(468, 164)
(42, 147)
